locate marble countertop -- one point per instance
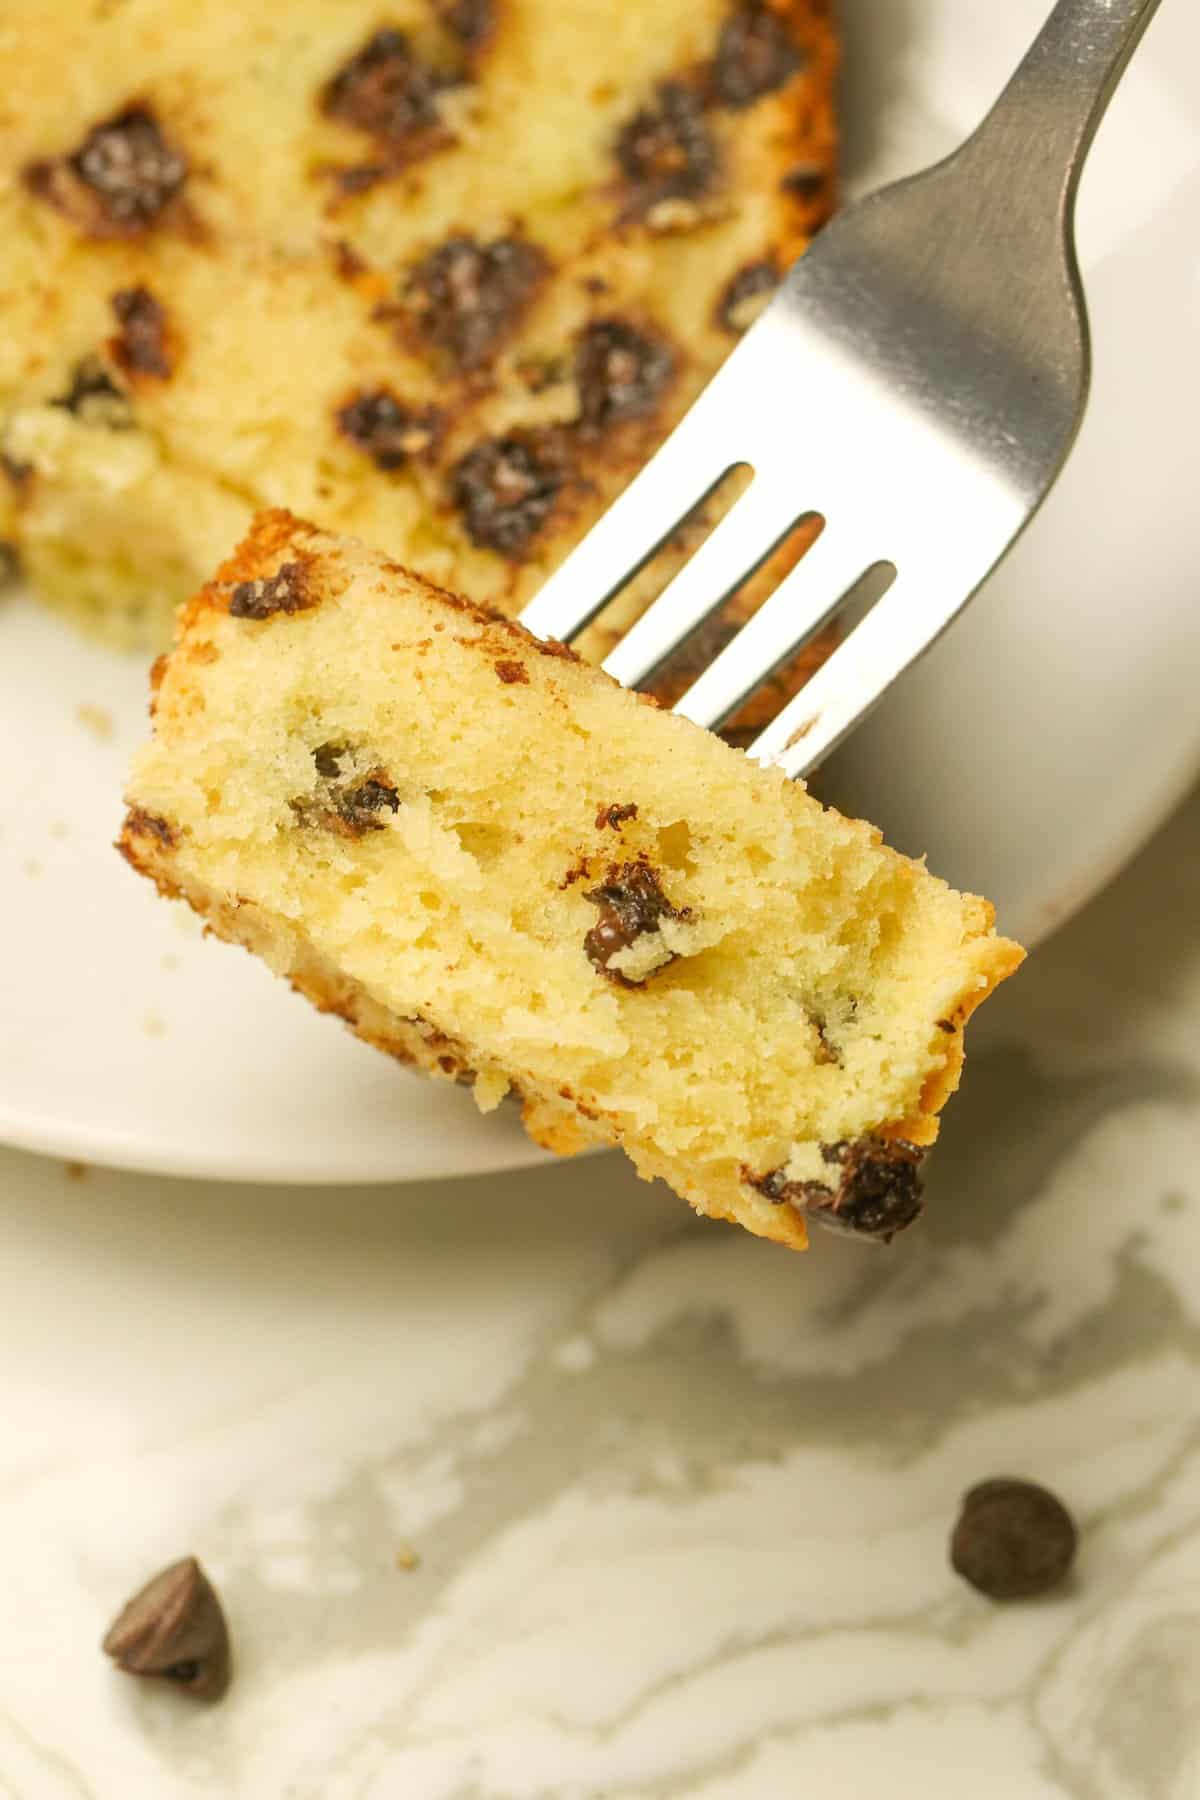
(677, 1502)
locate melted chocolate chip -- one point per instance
(615, 816)
(357, 806)
(347, 804)
(745, 296)
(620, 372)
(755, 55)
(121, 179)
(328, 759)
(140, 348)
(93, 397)
(466, 296)
(666, 151)
(386, 90)
(631, 904)
(287, 591)
(386, 429)
(1013, 1540)
(505, 489)
(877, 1194)
(174, 1628)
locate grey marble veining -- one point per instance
(680, 1501)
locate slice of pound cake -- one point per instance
(438, 272)
(502, 868)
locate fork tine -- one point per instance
(794, 612)
(896, 631)
(678, 477)
(738, 545)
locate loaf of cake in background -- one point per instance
(441, 273)
(499, 866)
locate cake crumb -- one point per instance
(154, 1025)
(76, 1171)
(407, 1558)
(96, 719)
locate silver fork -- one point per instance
(917, 383)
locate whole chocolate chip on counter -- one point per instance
(174, 1628)
(1014, 1540)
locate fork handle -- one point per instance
(1037, 136)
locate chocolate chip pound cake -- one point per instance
(499, 866)
(441, 273)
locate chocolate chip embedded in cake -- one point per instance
(465, 297)
(668, 158)
(872, 1187)
(621, 372)
(288, 590)
(388, 430)
(756, 54)
(120, 181)
(141, 344)
(666, 974)
(633, 909)
(386, 89)
(506, 489)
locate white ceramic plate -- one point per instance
(1030, 755)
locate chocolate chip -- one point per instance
(348, 804)
(631, 904)
(466, 296)
(388, 430)
(1013, 1540)
(513, 673)
(174, 1628)
(358, 806)
(93, 397)
(615, 816)
(755, 55)
(119, 181)
(287, 591)
(471, 21)
(877, 1193)
(744, 297)
(620, 372)
(328, 759)
(141, 346)
(505, 489)
(666, 152)
(386, 90)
